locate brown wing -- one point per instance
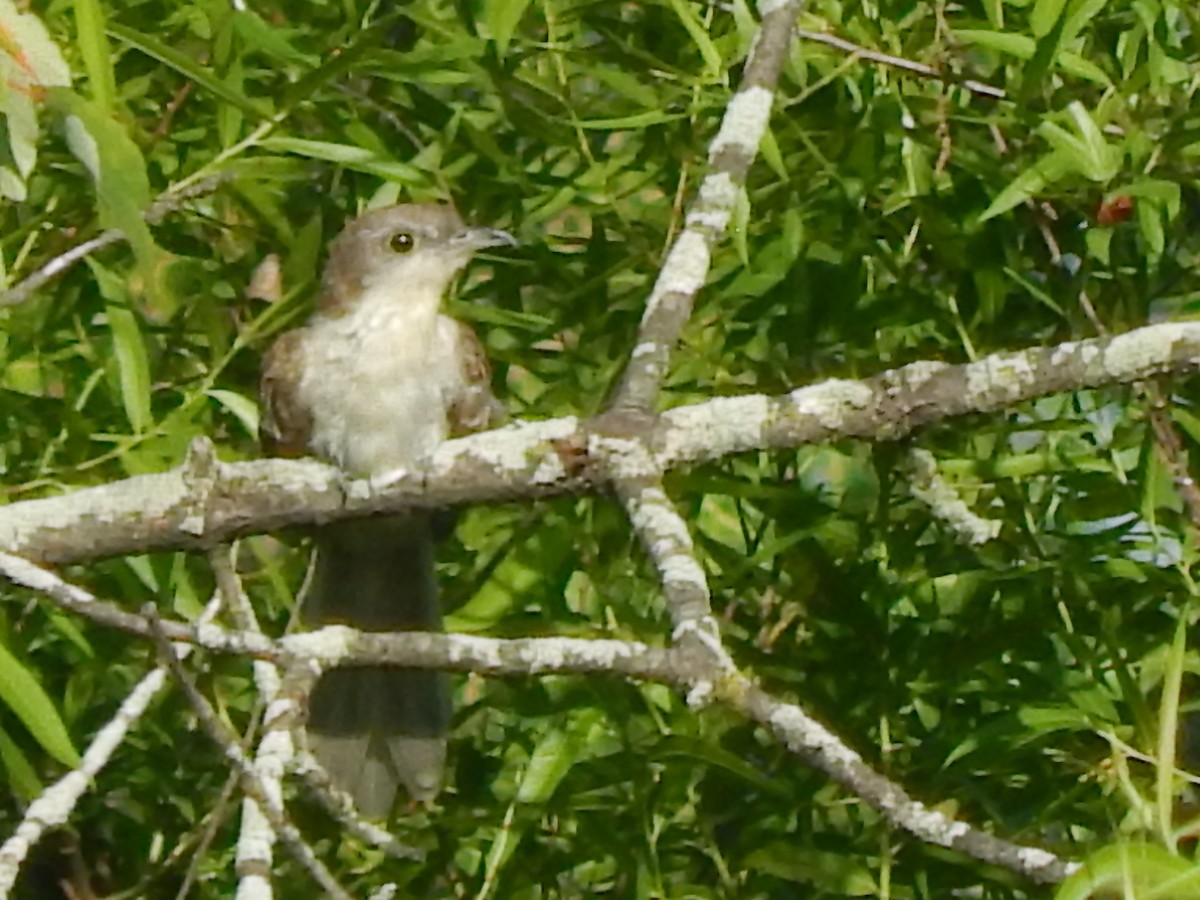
(285, 425)
(475, 408)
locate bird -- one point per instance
(376, 379)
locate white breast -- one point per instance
(378, 382)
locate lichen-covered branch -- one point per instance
(267, 797)
(895, 403)
(822, 749)
(535, 459)
(56, 803)
(706, 677)
(664, 535)
(254, 855)
(928, 486)
(729, 157)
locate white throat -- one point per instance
(379, 378)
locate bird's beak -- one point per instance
(478, 238)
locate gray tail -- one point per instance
(375, 727)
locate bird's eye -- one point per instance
(401, 242)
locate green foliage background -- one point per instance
(886, 222)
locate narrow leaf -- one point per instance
(21, 692)
(501, 18)
(188, 68)
(25, 40)
(1022, 46)
(31, 62)
(21, 774)
(1045, 15)
(358, 158)
(117, 167)
(695, 29)
(243, 408)
(132, 365)
(96, 52)
(1026, 185)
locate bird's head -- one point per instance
(413, 250)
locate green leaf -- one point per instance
(1079, 154)
(243, 408)
(1189, 422)
(1049, 45)
(500, 18)
(117, 168)
(493, 315)
(189, 69)
(1045, 15)
(1134, 869)
(128, 346)
(21, 692)
(1103, 159)
(1099, 242)
(23, 133)
(1027, 184)
(132, 365)
(710, 754)
(1024, 47)
(96, 52)
(266, 39)
(556, 752)
(35, 59)
(30, 61)
(1151, 226)
(699, 35)
(1018, 45)
(635, 121)
(769, 148)
(357, 158)
(839, 874)
(1160, 192)
(22, 776)
(1168, 730)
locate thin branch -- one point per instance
(823, 750)
(729, 157)
(254, 856)
(944, 501)
(899, 62)
(664, 535)
(337, 645)
(703, 677)
(169, 200)
(56, 803)
(267, 797)
(75, 599)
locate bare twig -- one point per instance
(337, 645)
(267, 797)
(166, 202)
(899, 62)
(57, 802)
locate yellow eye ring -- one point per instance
(401, 242)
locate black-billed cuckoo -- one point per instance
(373, 383)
